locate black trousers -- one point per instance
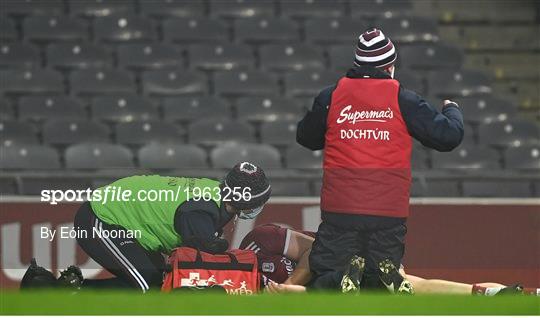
(133, 266)
(340, 236)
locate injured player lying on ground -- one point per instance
(283, 256)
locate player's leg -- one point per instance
(132, 265)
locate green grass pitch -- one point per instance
(113, 303)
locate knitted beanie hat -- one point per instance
(247, 178)
(375, 49)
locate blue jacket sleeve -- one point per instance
(442, 131)
(311, 129)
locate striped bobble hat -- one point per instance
(375, 49)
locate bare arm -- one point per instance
(298, 250)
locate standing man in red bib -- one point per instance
(364, 123)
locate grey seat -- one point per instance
(101, 81)
(509, 133)
(173, 82)
(14, 132)
(279, 132)
(78, 55)
(33, 185)
(486, 109)
(467, 158)
(377, 8)
(19, 55)
(64, 132)
(293, 57)
(34, 81)
(101, 8)
(149, 56)
(297, 157)
(290, 188)
(6, 110)
(265, 30)
(220, 57)
(39, 108)
(54, 28)
(435, 188)
(266, 109)
(311, 8)
(98, 156)
(34, 157)
(227, 155)
(235, 83)
(308, 83)
(187, 109)
(8, 186)
(430, 57)
(342, 57)
(8, 31)
(497, 189)
(409, 29)
(172, 8)
(32, 7)
(419, 159)
(458, 83)
(241, 8)
(410, 80)
(335, 30)
(212, 131)
(525, 158)
(172, 156)
(138, 133)
(124, 28)
(123, 108)
(195, 30)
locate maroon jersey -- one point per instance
(270, 243)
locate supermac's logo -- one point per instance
(346, 115)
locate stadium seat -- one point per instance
(377, 8)
(419, 158)
(6, 110)
(410, 80)
(32, 7)
(430, 56)
(172, 8)
(8, 31)
(500, 189)
(195, 30)
(308, 83)
(54, 28)
(14, 132)
(34, 185)
(35, 81)
(486, 109)
(79, 55)
(173, 82)
(467, 158)
(221, 57)
(279, 132)
(101, 8)
(172, 156)
(149, 56)
(187, 109)
(435, 188)
(525, 158)
(227, 155)
(311, 8)
(123, 108)
(64, 132)
(279, 57)
(297, 157)
(213, 131)
(342, 57)
(264, 30)
(510, 133)
(290, 188)
(39, 108)
(266, 108)
(98, 156)
(103, 81)
(335, 30)
(458, 83)
(245, 83)
(18, 55)
(124, 28)
(409, 29)
(138, 133)
(241, 8)
(35, 157)
(9, 186)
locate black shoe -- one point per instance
(71, 277)
(392, 279)
(352, 276)
(37, 277)
(515, 289)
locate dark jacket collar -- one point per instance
(369, 71)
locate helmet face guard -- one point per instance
(250, 214)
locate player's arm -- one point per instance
(311, 129)
(298, 249)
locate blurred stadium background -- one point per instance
(95, 90)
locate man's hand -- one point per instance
(275, 288)
(447, 101)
